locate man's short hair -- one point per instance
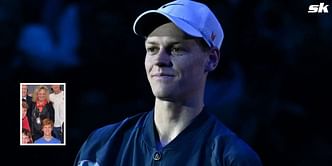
(47, 121)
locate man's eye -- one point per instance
(177, 51)
(152, 50)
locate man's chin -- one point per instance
(160, 95)
(165, 96)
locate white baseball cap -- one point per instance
(194, 18)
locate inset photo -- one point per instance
(42, 114)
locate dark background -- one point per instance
(272, 86)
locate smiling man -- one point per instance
(183, 39)
(47, 127)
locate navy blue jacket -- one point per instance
(133, 142)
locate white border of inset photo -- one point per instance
(64, 129)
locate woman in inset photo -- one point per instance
(41, 108)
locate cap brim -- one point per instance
(149, 20)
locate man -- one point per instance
(57, 97)
(47, 127)
(182, 46)
(25, 95)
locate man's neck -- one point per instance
(172, 118)
(48, 137)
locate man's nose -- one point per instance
(163, 59)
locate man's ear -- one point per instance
(213, 59)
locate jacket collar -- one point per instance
(150, 135)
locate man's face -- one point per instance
(24, 90)
(174, 64)
(56, 88)
(41, 95)
(47, 129)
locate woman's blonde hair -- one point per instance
(39, 88)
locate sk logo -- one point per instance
(321, 8)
